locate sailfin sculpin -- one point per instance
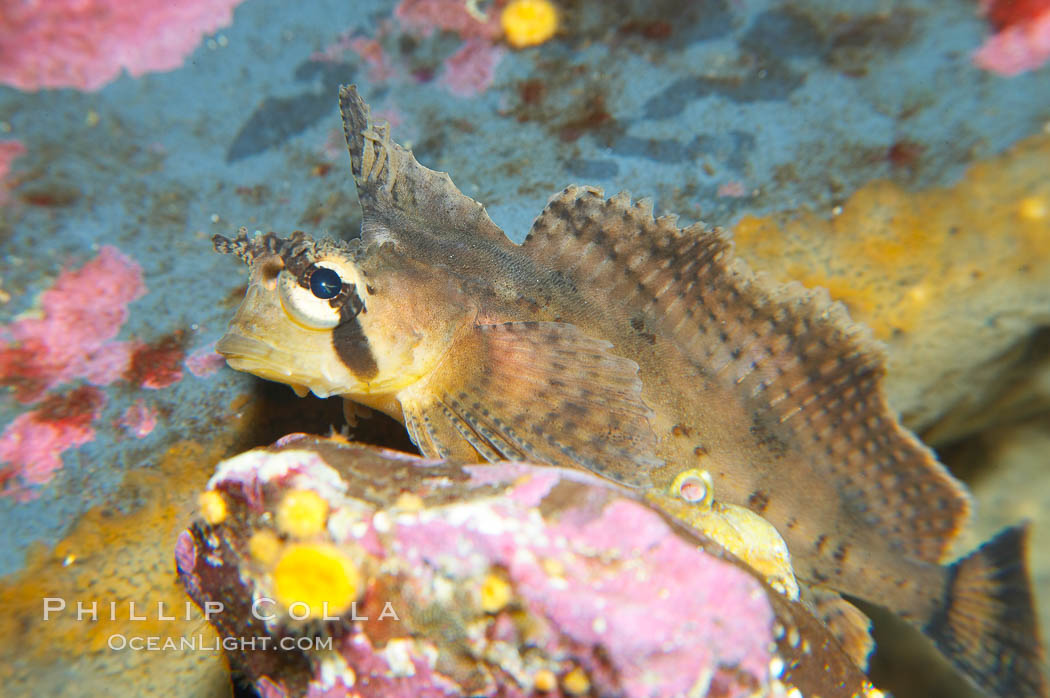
(618, 342)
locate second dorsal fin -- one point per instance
(791, 355)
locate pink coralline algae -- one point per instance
(1022, 41)
(158, 364)
(71, 336)
(9, 151)
(31, 446)
(471, 69)
(422, 17)
(85, 44)
(468, 71)
(205, 361)
(504, 579)
(368, 49)
(139, 420)
(734, 189)
(371, 51)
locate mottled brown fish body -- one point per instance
(701, 417)
(627, 346)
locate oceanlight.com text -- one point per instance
(201, 643)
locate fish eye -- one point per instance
(325, 283)
(308, 301)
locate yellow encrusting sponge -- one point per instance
(318, 576)
(529, 22)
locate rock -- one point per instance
(954, 280)
(501, 579)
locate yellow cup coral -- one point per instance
(312, 579)
(576, 682)
(495, 593)
(529, 22)
(302, 513)
(264, 546)
(545, 681)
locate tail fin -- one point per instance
(987, 624)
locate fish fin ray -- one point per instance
(986, 624)
(544, 391)
(808, 376)
(846, 622)
(401, 198)
(434, 434)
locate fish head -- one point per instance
(338, 318)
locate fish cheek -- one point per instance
(354, 350)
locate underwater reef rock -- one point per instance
(113, 556)
(955, 281)
(496, 579)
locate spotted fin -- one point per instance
(794, 358)
(399, 197)
(986, 622)
(846, 622)
(539, 391)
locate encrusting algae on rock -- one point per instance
(501, 579)
(490, 351)
(932, 272)
(115, 556)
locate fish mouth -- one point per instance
(240, 348)
(250, 354)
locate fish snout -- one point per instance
(257, 316)
(237, 345)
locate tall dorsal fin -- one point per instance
(792, 355)
(400, 197)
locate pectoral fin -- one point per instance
(846, 622)
(355, 411)
(539, 391)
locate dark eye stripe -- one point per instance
(349, 340)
